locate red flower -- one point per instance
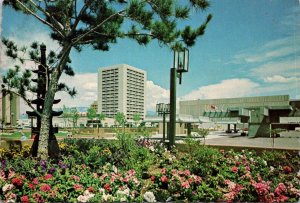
(234, 169)
(45, 187)
(17, 181)
(153, 178)
(25, 198)
(287, 169)
(107, 187)
(48, 176)
(90, 189)
(164, 179)
(31, 186)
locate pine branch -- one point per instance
(39, 18)
(77, 39)
(58, 25)
(78, 18)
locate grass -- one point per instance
(17, 135)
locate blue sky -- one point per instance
(250, 48)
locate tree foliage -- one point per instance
(91, 113)
(120, 119)
(100, 23)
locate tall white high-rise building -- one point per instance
(121, 88)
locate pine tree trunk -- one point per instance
(44, 149)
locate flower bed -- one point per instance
(129, 170)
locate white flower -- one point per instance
(101, 190)
(152, 148)
(149, 197)
(265, 163)
(123, 199)
(251, 160)
(82, 198)
(236, 158)
(115, 169)
(7, 187)
(106, 197)
(272, 168)
(88, 194)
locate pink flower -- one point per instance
(10, 196)
(126, 179)
(11, 174)
(283, 198)
(37, 197)
(76, 178)
(48, 176)
(229, 196)
(2, 175)
(35, 181)
(262, 188)
(45, 187)
(187, 172)
(234, 169)
(131, 172)
(185, 185)
(164, 179)
(153, 178)
(280, 188)
(95, 175)
(163, 171)
(197, 179)
(77, 187)
(174, 171)
(25, 198)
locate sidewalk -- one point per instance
(260, 142)
(236, 140)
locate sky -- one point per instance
(250, 48)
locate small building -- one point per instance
(258, 113)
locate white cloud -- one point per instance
(275, 49)
(25, 38)
(287, 68)
(155, 94)
(280, 79)
(86, 86)
(225, 89)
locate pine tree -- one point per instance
(100, 23)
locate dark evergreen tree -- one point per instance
(100, 23)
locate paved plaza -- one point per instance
(219, 138)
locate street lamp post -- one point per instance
(180, 65)
(163, 109)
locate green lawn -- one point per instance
(17, 135)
